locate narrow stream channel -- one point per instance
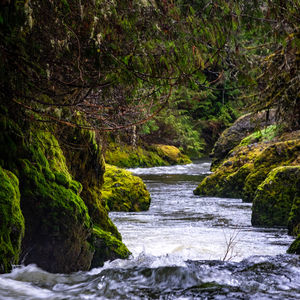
(181, 249)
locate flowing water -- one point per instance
(184, 247)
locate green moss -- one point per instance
(228, 180)
(11, 221)
(275, 196)
(295, 246)
(124, 192)
(172, 155)
(262, 135)
(58, 225)
(294, 217)
(127, 156)
(107, 247)
(86, 164)
(275, 155)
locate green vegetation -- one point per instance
(126, 156)
(264, 135)
(123, 155)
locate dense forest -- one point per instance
(80, 79)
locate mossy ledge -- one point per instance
(126, 156)
(11, 221)
(123, 191)
(275, 197)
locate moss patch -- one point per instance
(274, 197)
(57, 222)
(295, 246)
(228, 180)
(124, 192)
(86, 164)
(11, 221)
(107, 247)
(125, 156)
(172, 155)
(275, 155)
(263, 135)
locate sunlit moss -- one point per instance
(107, 247)
(124, 192)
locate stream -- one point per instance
(184, 247)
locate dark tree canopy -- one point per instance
(117, 63)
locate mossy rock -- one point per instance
(126, 156)
(172, 155)
(232, 136)
(228, 179)
(123, 191)
(275, 155)
(295, 246)
(275, 196)
(294, 217)
(58, 227)
(107, 247)
(11, 221)
(86, 164)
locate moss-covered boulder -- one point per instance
(247, 167)
(172, 155)
(86, 164)
(123, 191)
(295, 246)
(58, 227)
(126, 156)
(229, 178)
(107, 247)
(241, 128)
(275, 196)
(11, 221)
(275, 155)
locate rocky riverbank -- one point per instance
(263, 167)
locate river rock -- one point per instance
(107, 247)
(86, 164)
(275, 197)
(247, 167)
(11, 221)
(241, 128)
(123, 191)
(295, 246)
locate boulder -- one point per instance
(107, 247)
(247, 167)
(58, 227)
(11, 221)
(123, 191)
(172, 155)
(275, 197)
(241, 128)
(295, 246)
